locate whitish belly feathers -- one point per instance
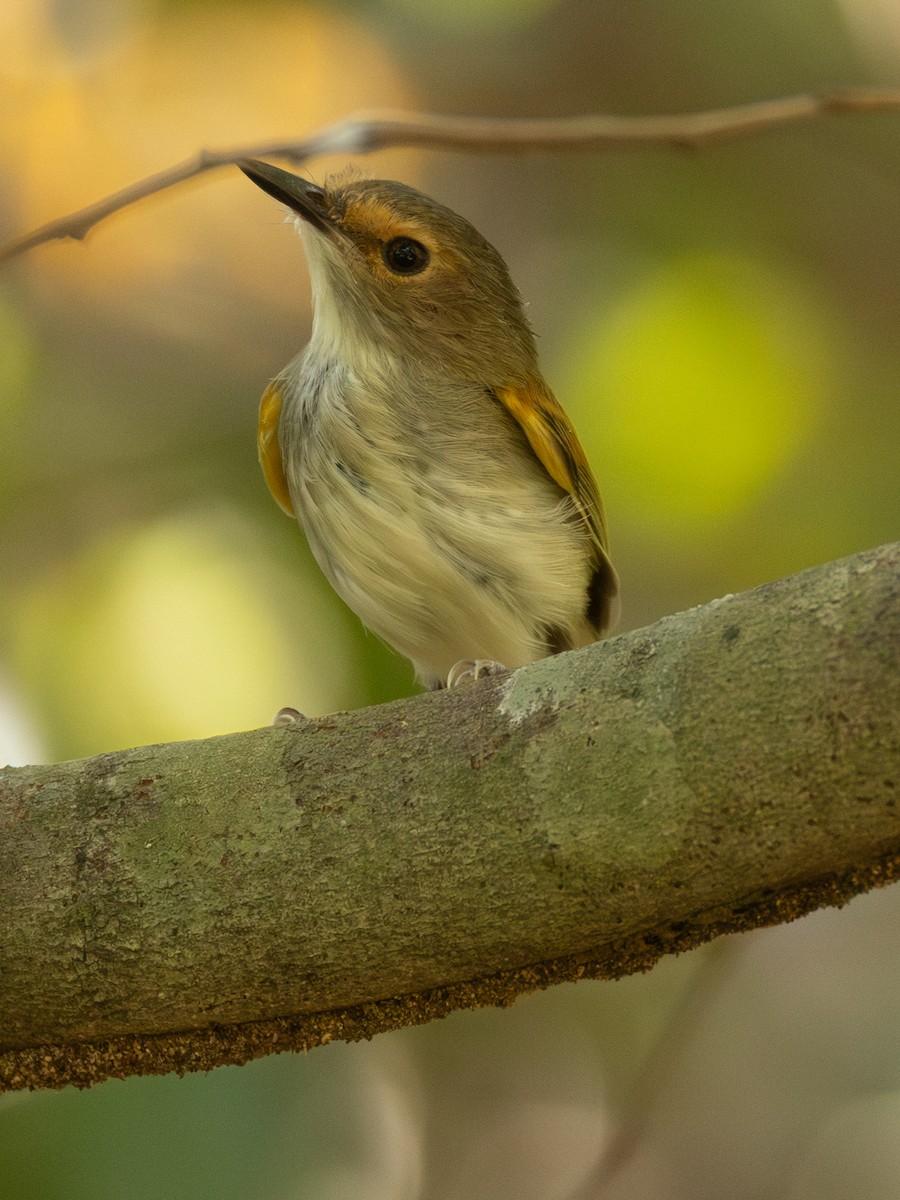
(432, 518)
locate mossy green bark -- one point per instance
(176, 906)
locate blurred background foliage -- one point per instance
(722, 327)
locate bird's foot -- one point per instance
(467, 670)
(287, 716)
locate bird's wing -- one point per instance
(555, 443)
(269, 448)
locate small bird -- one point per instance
(443, 490)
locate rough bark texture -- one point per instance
(174, 907)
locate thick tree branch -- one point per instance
(365, 132)
(178, 906)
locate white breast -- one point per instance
(430, 515)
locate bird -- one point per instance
(442, 489)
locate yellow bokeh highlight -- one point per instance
(79, 127)
(179, 629)
(704, 382)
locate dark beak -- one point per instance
(305, 199)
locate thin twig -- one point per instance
(365, 132)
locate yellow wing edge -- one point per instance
(553, 439)
(270, 449)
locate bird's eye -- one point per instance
(404, 256)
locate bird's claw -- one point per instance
(287, 716)
(467, 670)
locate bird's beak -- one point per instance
(303, 198)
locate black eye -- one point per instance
(403, 256)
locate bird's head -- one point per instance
(396, 274)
